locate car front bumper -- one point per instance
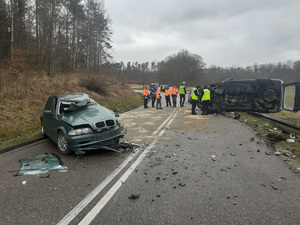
(91, 141)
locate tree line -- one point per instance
(55, 35)
(68, 36)
(189, 67)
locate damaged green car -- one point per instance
(77, 123)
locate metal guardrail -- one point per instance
(278, 120)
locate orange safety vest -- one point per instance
(167, 92)
(145, 92)
(174, 91)
(158, 94)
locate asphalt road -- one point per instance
(188, 170)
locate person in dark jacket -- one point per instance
(153, 95)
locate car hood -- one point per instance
(89, 114)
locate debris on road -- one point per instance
(289, 140)
(275, 188)
(120, 147)
(134, 196)
(287, 153)
(40, 164)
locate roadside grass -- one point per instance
(271, 133)
(23, 97)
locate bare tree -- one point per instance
(12, 4)
(51, 42)
(182, 66)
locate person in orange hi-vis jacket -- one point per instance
(146, 96)
(168, 93)
(174, 95)
(158, 99)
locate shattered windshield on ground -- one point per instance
(41, 164)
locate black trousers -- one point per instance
(194, 104)
(182, 100)
(146, 103)
(174, 100)
(205, 105)
(168, 100)
(153, 98)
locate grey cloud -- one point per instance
(227, 32)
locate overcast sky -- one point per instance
(223, 32)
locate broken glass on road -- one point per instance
(41, 164)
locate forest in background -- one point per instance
(56, 37)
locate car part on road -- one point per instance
(40, 164)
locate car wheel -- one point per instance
(62, 143)
(43, 133)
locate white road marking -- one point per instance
(72, 214)
(93, 213)
(97, 208)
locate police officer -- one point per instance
(195, 98)
(205, 99)
(182, 92)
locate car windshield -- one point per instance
(74, 105)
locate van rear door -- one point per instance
(291, 97)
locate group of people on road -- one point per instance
(197, 94)
(155, 95)
(204, 94)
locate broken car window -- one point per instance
(72, 105)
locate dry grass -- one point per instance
(22, 99)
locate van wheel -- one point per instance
(62, 144)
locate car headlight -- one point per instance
(81, 131)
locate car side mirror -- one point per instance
(47, 112)
(291, 97)
(116, 111)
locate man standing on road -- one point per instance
(146, 96)
(158, 99)
(153, 96)
(174, 95)
(195, 99)
(205, 99)
(168, 96)
(182, 92)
